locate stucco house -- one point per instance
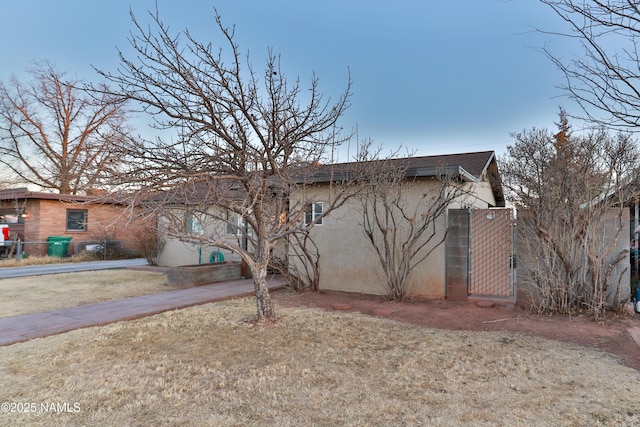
(34, 216)
(348, 262)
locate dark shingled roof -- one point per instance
(474, 163)
(469, 166)
(22, 193)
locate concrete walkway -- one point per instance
(25, 327)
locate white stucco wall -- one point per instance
(176, 253)
(616, 230)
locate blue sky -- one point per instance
(432, 77)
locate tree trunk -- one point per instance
(263, 298)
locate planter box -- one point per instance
(188, 276)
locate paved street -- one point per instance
(38, 270)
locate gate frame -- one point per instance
(454, 251)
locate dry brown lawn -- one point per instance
(44, 260)
(208, 366)
(32, 294)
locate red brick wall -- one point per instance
(49, 218)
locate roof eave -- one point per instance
(431, 171)
(441, 171)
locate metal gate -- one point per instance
(482, 241)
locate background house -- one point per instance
(34, 216)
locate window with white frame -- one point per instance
(194, 225)
(236, 223)
(314, 211)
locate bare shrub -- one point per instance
(151, 245)
(304, 263)
(571, 193)
(404, 229)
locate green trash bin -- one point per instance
(58, 246)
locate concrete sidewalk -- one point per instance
(25, 327)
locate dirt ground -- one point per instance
(610, 335)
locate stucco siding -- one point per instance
(179, 253)
(348, 261)
(477, 195)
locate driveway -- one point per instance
(37, 270)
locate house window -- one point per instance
(314, 211)
(12, 216)
(194, 225)
(76, 219)
(235, 224)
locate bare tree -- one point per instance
(605, 76)
(56, 134)
(247, 158)
(571, 192)
(404, 231)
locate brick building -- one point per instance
(34, 216)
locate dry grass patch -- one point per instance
(32, 294)
(45, 260)
(207, 366)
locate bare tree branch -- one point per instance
(56, 134)
(405, 230)
(605, 77)
(247, 148)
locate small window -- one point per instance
(194, 225)
(232, 223)
(76, 219)
(314, 211)
(235, 224)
